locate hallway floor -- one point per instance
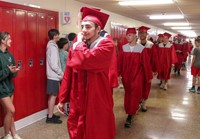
(172, 114)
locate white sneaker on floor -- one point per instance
(8, 137)
(17, 137)
(162, 86)
(165, 87)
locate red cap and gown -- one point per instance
(134, 70)
(166, 57)
(152, 52)
(86, 81)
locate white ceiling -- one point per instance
(189, 8)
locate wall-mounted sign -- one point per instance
(65, 17)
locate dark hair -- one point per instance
(52, 33)
(3, 35)
(197, 39)
(96, 25)
(71, 36)
(62, 42)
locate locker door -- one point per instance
(42, 38)
(20, 99)
(6, 23)
(30, 65)
(51, 22)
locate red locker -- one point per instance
(51, 22)
(28, 27)
(30, 65)
(41, 59)
(6, 23)
(20, 93)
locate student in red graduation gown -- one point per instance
(159, 39)
(134, 68)
(150, 47)
(86, 80)
(166, 59)
(179, 48)
(187, 50)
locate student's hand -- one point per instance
(80, 37)
(60, 108)
(13, 69)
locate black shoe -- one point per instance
(143, 110)
(53, 120)
(128, 121)
(160, 83)
(179, 72)
(55, 116)
(175, 69)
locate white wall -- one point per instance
(73, 7)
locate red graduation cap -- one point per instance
(167, 34)
(143, 29)
(86, 8)
(160, 35)
(180, 35)
(90, 14)
(130, 30)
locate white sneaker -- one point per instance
(8, 137)
(17, 137)
(162, 86)
(165, 87)
(144, 108)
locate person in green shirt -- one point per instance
(8, 70)
(63, 52)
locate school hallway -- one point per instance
(172, 114)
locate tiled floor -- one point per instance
(172, 114)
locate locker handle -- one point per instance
(41, 61)
(31, 63)
(19, 64)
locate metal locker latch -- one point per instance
(19, 64)
(41, 61)
(31, 63)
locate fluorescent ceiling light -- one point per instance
(181, 27)
(188, 33)
(35, 6)
(166, 17)
(176, 24)
(145, 2)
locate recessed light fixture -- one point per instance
(164, 16)
(176, 24)
(145, 2)
(181, 27)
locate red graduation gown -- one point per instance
(186, 50)
(166, 57)
(135, 71)
(180, 55)
(86, 80)
(150, 48)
